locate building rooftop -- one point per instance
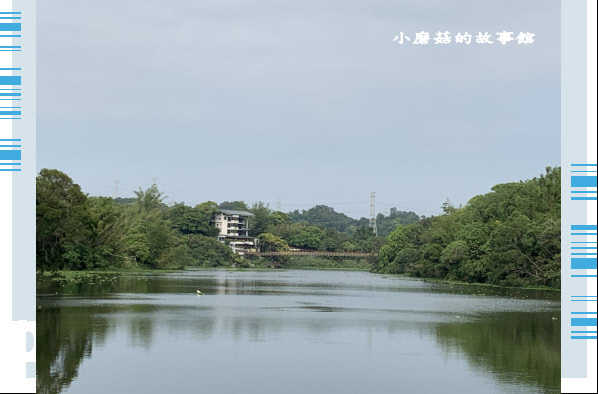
(232, 212)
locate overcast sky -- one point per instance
(302, 102)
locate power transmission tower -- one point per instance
(278, 204)
(155, 180)
(115, 189)
(373, 213)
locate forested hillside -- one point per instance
(510, 236)
(322, 215)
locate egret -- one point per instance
(198, 292)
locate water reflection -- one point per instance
(65, 338)
(510, 345)
(313, 321)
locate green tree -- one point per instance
(63, 223)
(234, 205)
(261, 221)
(189, 220)
(271, 243)
(308, 237)
(149, 199)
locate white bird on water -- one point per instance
(198, 292)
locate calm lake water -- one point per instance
(292, 332)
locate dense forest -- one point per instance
(510, 236)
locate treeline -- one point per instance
(510, 237)
(79, 232)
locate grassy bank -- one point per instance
(456, 282)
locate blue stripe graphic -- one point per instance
(583, 321)
(584, 227)
(583, 181)
(10, 27)
(10, 154)
(10, 80)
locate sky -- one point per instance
(297, 103)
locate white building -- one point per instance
(234, 230)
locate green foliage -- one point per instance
(63, 223)
(76, 232)
(195, 220)
(322, 215)
(509, 237)
(271, 243)
(326, 217)
(396, 218)
(208, 252)
(234, 205)
(150, 199)
(309, 237)
(261, 220)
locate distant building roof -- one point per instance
(233, 212)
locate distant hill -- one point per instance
(327, 217)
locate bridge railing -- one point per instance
(312, 253)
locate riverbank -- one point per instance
(289, 263)
(455, 282)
